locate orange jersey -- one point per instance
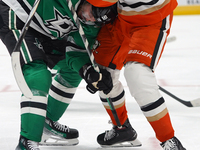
(122, 42)
(140, 12)
(138, 34)
(119, 43)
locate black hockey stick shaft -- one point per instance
(186, 103)
(114, 112)
(85, 41)
(15, 57)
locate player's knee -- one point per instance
(141, 82)
(37, 76)
(117, 85)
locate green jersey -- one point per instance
(54, 19)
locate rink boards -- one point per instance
(188, 7)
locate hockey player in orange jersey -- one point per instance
(136, 41)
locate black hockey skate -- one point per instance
(26, 144)
(124, 136)
(172, 144)
(55, 134)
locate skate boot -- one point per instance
(56, 134)
(26, 144)
(172, 144)
(124, 136)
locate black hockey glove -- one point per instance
(96, 81)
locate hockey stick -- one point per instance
(15, 57)
(192, 103)
(86, 44)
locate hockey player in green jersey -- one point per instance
(52, 41)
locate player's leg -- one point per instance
(38, 78)
(33, 111)
(117, 136)
(62, 91)
(113, 57)
(141, 80)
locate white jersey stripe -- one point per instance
(17, 8)
(63, 88)
(32, 110)
(155, 111)
(37, 99)
(118, 102)
(140, 8)
(164, 38)
(59, 97)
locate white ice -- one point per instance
(178, 72)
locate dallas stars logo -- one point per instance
(62, 25)
(38, 44)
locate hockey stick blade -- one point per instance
(15, 57)
(19, 77)
(192, 103)
(195, 102)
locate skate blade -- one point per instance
(135, 143)
(57, 141)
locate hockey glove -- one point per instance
(96, 81)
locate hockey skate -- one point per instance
(172, 144)
(55, 134)
(124, 136)
(25, 144)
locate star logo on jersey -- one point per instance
(61, 25)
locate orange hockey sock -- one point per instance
(121, 113)
(163, 128)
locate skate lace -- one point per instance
(61, 127)
(169, 145)
(32, 145)
(109, 134)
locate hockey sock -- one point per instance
(62, 90)
(32, 123)
(163, 128)
(121, 113)
(33, 111)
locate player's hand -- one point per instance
(96, 81)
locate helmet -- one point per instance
(105, 14)
(102, 15)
